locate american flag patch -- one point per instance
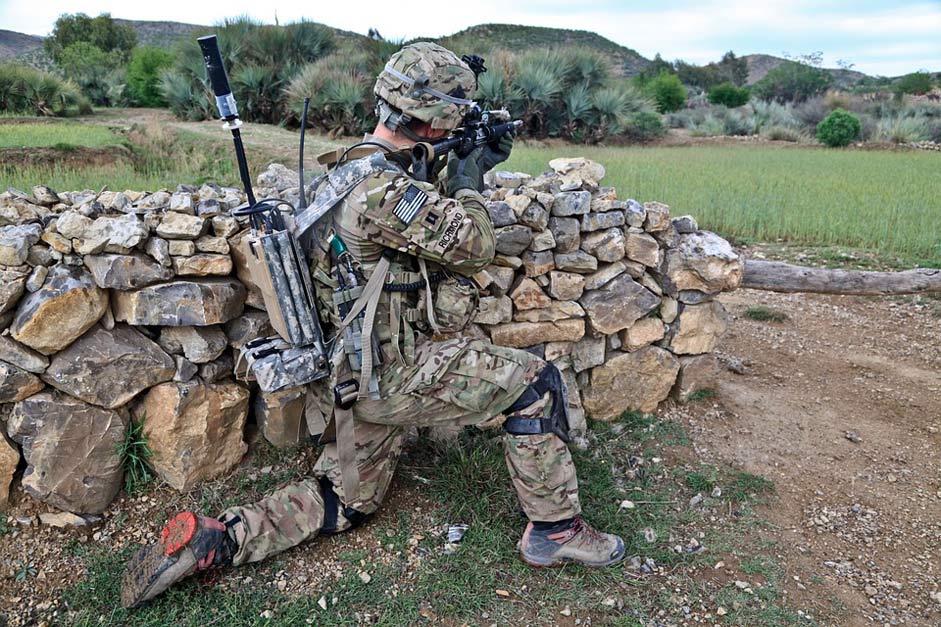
(411, 202)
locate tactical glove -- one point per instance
(496, 153)
(465, 173)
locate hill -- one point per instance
(13, 44)
(760, 64)
(161, 34)
(484, 38)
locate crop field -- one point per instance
(882, 201)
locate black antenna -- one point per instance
(300, 158)
(226, 104)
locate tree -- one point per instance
(143, 75)
(914, 83)
(729, 95)
(792, 81)
(668, 92)
(102, 32)
(733, 69)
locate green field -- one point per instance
(883, 201)
(62, 134)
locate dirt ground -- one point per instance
(840, 406)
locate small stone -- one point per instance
(543, 240)
(72, 225)
(579, 261)
(625, 504)
(501, 214)
(217, 370)
(176, 225)
(57, 242)
(566, 285)
(528, 295)
(606, 246)
(209, 208)
(36, 278)
(502, 593)
(45, 195)
(199, 344)
(17, 384)
(565, 611)
(658, 216)
(518, 203)
(558, 310)
(158, 200)
(721, 611)
(182, 202)
(185, 369)
(203, 264)
(512, 240)
(364, 576)
(696, 501)
(12, 352)
(601, 221)
(15, 242)
(212, 244)
(159, 250)
(250, 325)
(181, 247)
(224, 226)
(535, 217)
(669, 308)
(685, 225)
(538, 263)
(61, 519)
(571, 203)
(642, 333)
(494, 310)
(588, 353)
(642, 248)
(502, 279)
(567, 234)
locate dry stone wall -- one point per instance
(121, 306)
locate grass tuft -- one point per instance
(135, 454)
(760, 313)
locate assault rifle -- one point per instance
(479, 127)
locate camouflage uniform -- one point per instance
(424, 381)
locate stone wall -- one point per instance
(125, 305)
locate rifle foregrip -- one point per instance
(217, 77)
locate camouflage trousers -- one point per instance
(459, 382)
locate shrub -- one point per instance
(644, 126)
(143, 76)
(729, 95)
(838, 129)
(914, 83)
(28, 91)
(667, 92)
(899, 130)
(792, 81)
(783, 133)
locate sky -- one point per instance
(879, 37)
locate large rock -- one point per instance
(9, 460)
(588, 353)
(701, 261)
(567, 234)
(280, 416)
(523, 334)
(83, 476)
(12, 286)
(66, 306)
(109, 368)
(606, 246)
(181, 303)
(176, 225)
(697, 372)
(126, 272)
(697, 329)
(194, 430)
(642, 248)
(630, 381)
(113, 235)
(513, 240)
(617, 305)
(642, 333)
(200, 345)
(577, 172)
(16, 383)
(15, 242)
(567, 204)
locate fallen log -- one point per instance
(775, 276)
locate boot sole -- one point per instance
(156, 567)
(565, 561)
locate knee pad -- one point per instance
(333, 508)
(549, 380)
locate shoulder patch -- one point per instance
(412, 200)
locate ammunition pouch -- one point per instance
(276, 365)
(455, 302)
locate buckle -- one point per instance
(344, 394)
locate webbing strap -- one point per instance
(346, 452)
(408, 80)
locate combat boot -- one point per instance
(572, 541)
(188, 543)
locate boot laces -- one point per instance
(579, 526)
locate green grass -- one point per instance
(882, 201)
(54, 134)
(135, 453)
(761, 313)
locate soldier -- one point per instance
(420, 240)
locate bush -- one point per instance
(729, 95)
(667, 92)
(792, 81)
(644, 126)
(914, 83)
(838, 129)
(143, 76)
(28, 91)
(902, 130)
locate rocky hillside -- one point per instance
(13, 44)
(162, 34)
(760, 64)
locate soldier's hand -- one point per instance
(465, 173)
(496, 153)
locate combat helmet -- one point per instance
(425, 82)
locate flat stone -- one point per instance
(643, 248)
(588, 353)
(513, 240)
(199, 344)
(535, 217)
(66, 306)
(537, 263)
(22, 356)
(118, 202)
(86, 475)
(181, 226)
(280, 416)
(701, 261)
(9, 460)
(250, 325)
(697, 372)
(109, 368)
(685, 225)
(642, 333)
(213, 244)
(181, 247)
(543, 240)
(570, 203)
(658, 216)
(224, 226)
(577, 172)
(567, 234)
(15, 241)
(566, 285)
(194, 430)
(57, 242)
(182, 202)
(528, 295)
(600, 221)
(203, 264)
(618, 304)
(72, 225)
(697, 329)
(159, 250)
(558, 310)
(635, 381)
(688, 297)
(494, 310)
(16, 383)
(119, 235)
(579, 261)
(12, 286)
(606, 246)
(125, 272)
(523, 334)
(45, 195)
(604, 275)
(198, 302)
